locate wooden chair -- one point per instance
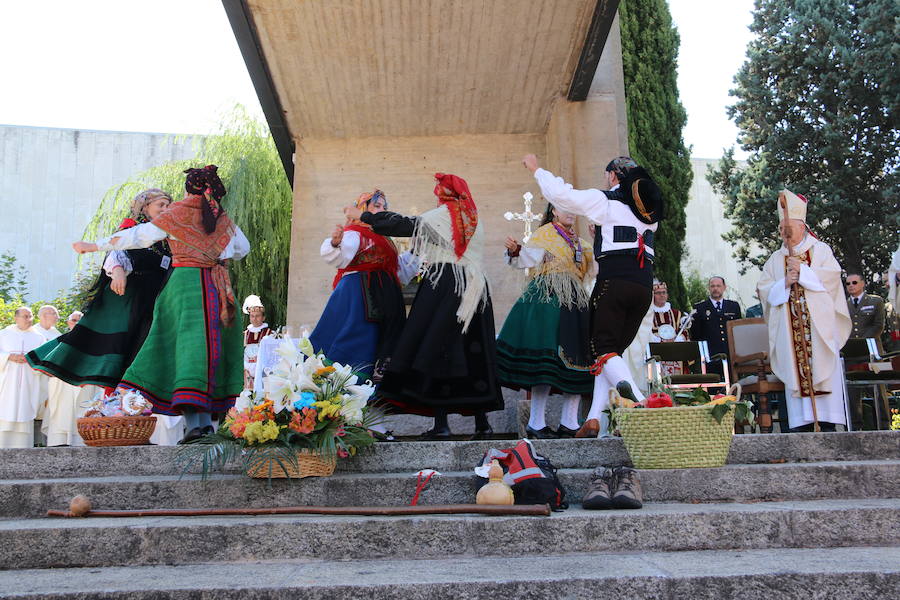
(863, 367)
(748, 345)
(685, 352)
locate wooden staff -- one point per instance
(795, 290)
(540, 510)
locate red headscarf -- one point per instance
(453, 192)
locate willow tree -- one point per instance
(655, 122)
(258, 200)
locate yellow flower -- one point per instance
(323, 371)
(260, 432)
(327, 409)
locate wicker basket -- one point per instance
(116, 431)
(675, 438)
(309, 464)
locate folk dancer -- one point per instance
(255, 332)
(445, 359)
(542, 346)
(808, 320)
(365, 313)
(103, 342)
(667, 326)
(626, 218)
(19, 385)
(192, 361)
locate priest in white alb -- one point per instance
(19, 384)
(803, 301)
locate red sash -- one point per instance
(376, 253)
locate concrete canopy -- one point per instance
(365, 68)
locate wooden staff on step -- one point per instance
(795, 291)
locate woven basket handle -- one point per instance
(735, 390)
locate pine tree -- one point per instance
(655, 122)
(817, 107)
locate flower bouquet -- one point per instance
(681, 429)
(311, 414)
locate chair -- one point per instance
(748, 345)
(868, 368)
(685, 352)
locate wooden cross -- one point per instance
(526, 216)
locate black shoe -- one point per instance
(383, 436)
(436, 435)
(194, 434)
(623, 388)
(565, 432)
(208, 430)
(482, 434)
(545, 433)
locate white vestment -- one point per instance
(65, 405)
(47, 334)
(19, 388)
(829, 329)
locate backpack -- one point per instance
(531, 476)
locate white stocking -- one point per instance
(569, 416)
(600, 399)
(539, 396)
(616, 370)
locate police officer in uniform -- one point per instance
(866, 310)
(709, 321)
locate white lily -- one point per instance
(352, 409)
(244, 400)
(361, 392)
(305, 346)
(288, 351)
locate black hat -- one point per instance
(642, 195)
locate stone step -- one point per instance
(785, 481)
(847, 573)
(40, 463)
(100, 542)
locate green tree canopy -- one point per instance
(258, 199)
(655, 122)
(817, 107)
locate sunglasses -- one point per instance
(854, 282)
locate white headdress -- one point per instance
(252, 301)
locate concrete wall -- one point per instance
(707, 252)
(51, 183)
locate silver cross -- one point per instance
(526, 216)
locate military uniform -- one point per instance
(867, 316)
(709, 325)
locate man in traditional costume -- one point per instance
(255, 332)
(445, 359)
(806, 313)
(365, 313)
(191, 363)
(668, 326)
(542, 346)
(626, 218)
(19, 385)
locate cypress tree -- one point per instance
(655, 122)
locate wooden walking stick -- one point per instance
(795, 301)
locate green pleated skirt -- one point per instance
(542, 343)
(189, 360)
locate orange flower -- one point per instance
(303, 421)
(322, 371)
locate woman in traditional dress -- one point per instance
(192, 361)
(103, 343)
(543, 345)
(445, 359)
(365, 313)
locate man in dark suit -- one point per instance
(866, 310)
(709, 321)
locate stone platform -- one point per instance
(802, 515)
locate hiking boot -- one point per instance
(599, 490)
(627, 488)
